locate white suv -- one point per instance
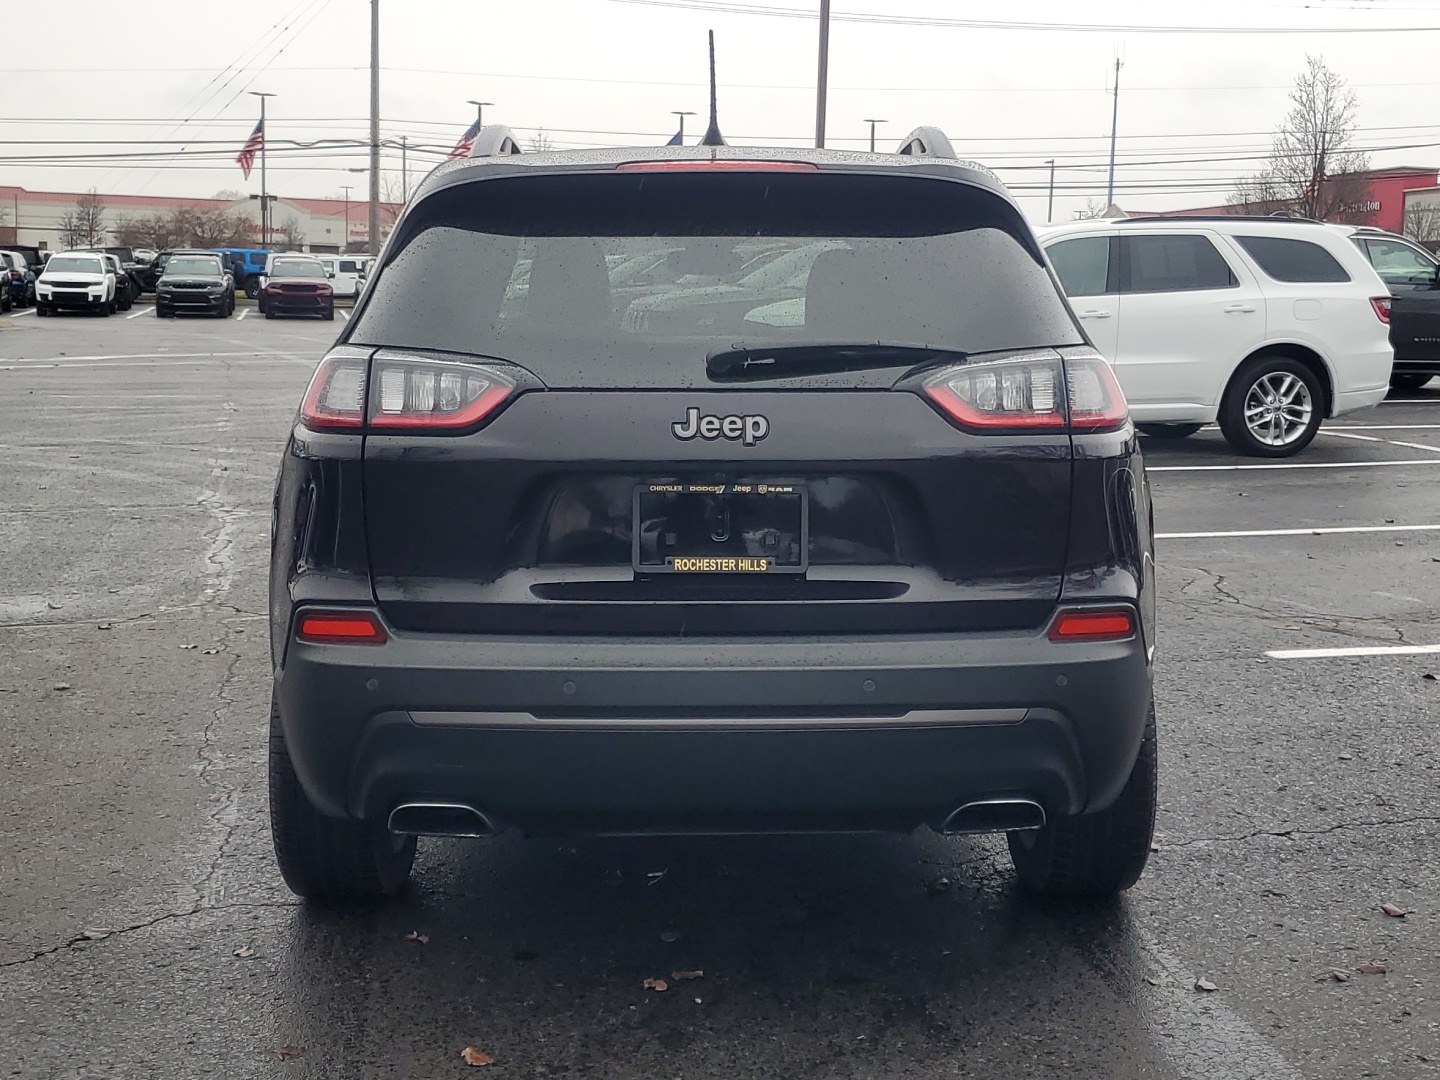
(1267, 325)
(76, 279)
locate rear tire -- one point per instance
(269, 313)
(1168, 431)
(1095, 854)
(41, 310)
(1269, 382)
(1409, 381)
(329, 861)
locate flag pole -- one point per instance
(264, 197)
(374, 237)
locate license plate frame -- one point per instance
(753, 513)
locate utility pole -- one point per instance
(823, 78)
(872, 124)
(1050, 206)
(374, 237)
(681, 113)
(345, 242)
(264, 198)
(404, 169)
(1114, 130)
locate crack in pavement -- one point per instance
(169, 916)
(1286, 834)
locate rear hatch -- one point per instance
(541, 460)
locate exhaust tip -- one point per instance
(440, 819)
(994, 815)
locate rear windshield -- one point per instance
(75, 264)
(296, 268)
(663, 268)
(193, 264)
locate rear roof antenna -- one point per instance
(712, 133)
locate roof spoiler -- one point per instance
(927, 142)
(494, 140)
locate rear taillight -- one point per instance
(340, 628)
(1109, 625)
(336, 398)
(1030, 393)
(1381, 304)
(409, 393)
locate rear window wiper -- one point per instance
(742, 362)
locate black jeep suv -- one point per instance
(874, 556)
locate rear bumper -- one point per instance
(640, 736)
(1352, 400)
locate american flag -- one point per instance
(462, 148)
(253, 146)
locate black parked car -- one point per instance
(196, 283)
(127, 282)
(887, 565)
(1410, 272)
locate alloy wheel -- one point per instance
(1278, 408)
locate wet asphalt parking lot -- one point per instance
(145, 933)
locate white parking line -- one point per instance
(17, 314)
(1291, 465)
(243, 313)
(1369, 650)
(142, 311)
(344, 315)
(1376, 439)
(1411, 401)
(1326, 531)
(1382, 427)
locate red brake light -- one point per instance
(1030, 393)
(336, 398)
(340, 628)
(718, 165)
(1381, 304)
(409, 393)
(1111, 625)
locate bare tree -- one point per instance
(229, 194)
(1422, 222)
(1312, 164)
(215, 228)
(287, 236)
(540, 142)
(84, 226)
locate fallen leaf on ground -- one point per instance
(1395, 911)
(1372, 968)
(417, 937)
(212, 652)
(685, 976)
(244, 952)
(658, 985)
(473, 1055)
(96, 933)
(1333, 975)
(669, 936)
(287, 1051)
(62, 686)
(1206, 985)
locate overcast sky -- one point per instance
(168, 78)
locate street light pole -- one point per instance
(823, 77)
(681, 113)
(480, 112)
(404, 169)
(1114, 130)
(264, 198)
(1050, 206)
(345, 238)
(872, 124)
(374, 237)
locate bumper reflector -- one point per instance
(1093, 625)
(341, 628)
